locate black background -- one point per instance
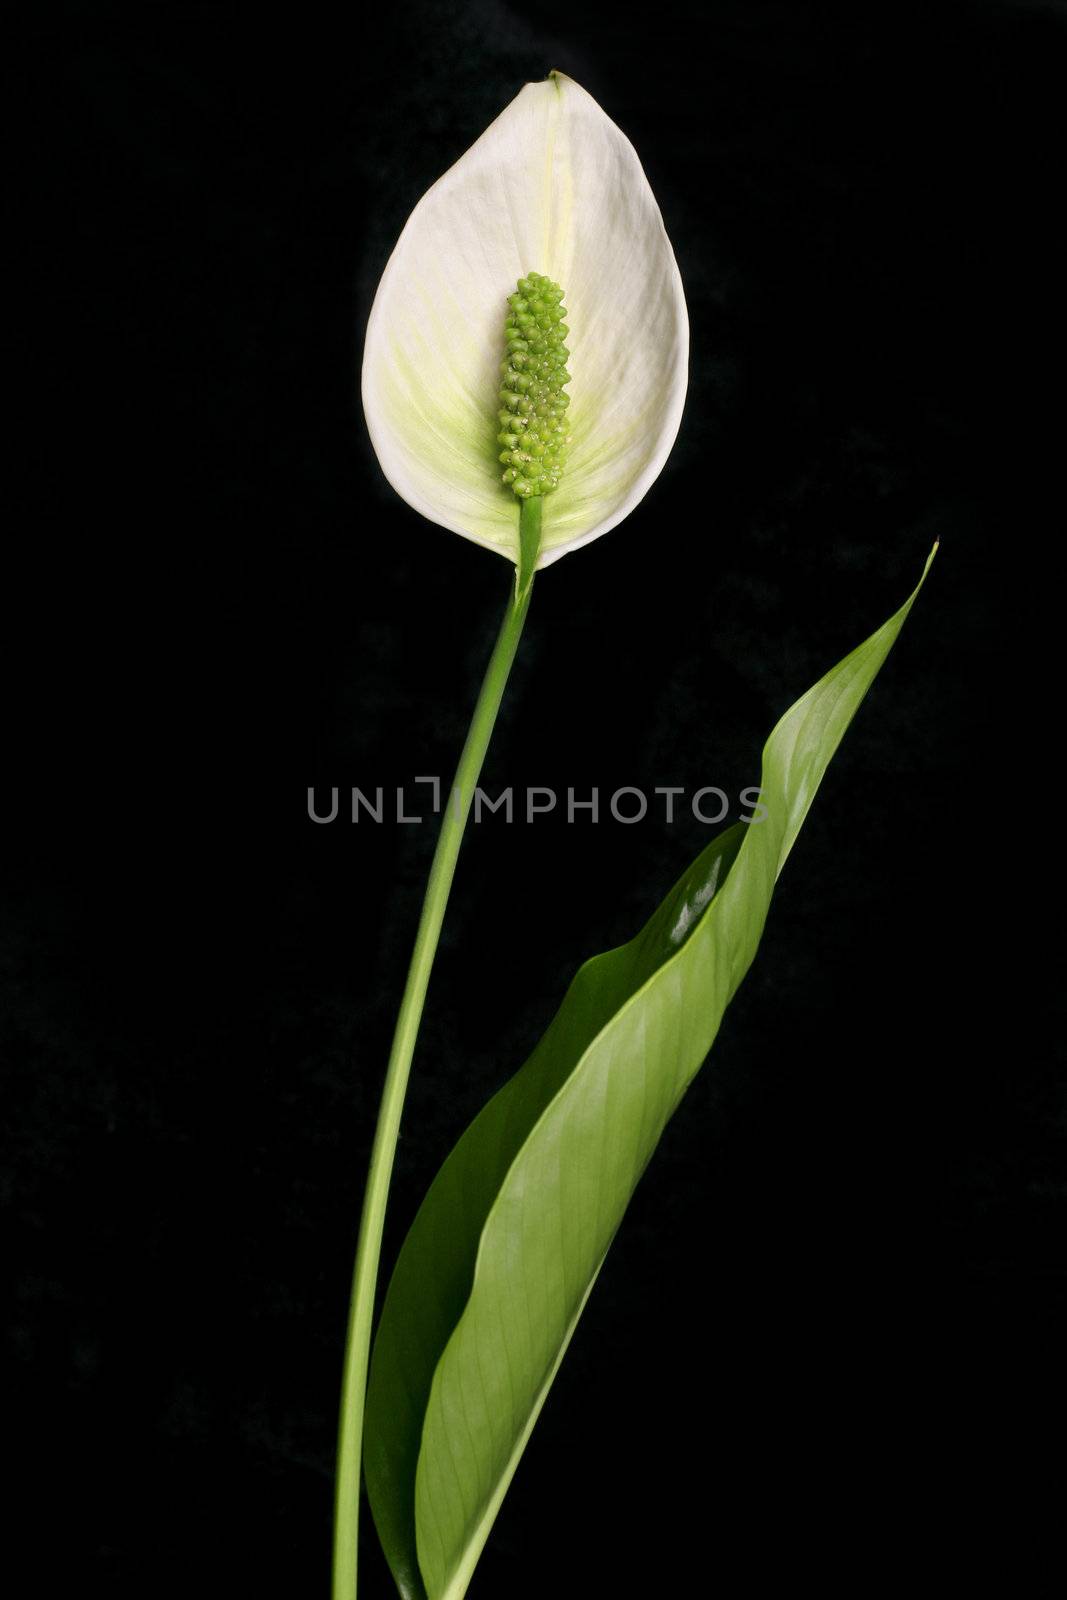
(824, 1341)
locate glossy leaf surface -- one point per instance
(505, 1249)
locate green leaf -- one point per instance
(505, 1249)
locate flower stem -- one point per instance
(368, 1250)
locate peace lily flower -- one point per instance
(523, 382)
(551, 198)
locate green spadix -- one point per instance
(533, 406)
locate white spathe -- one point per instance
(551, 186)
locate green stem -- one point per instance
(368, 1250)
